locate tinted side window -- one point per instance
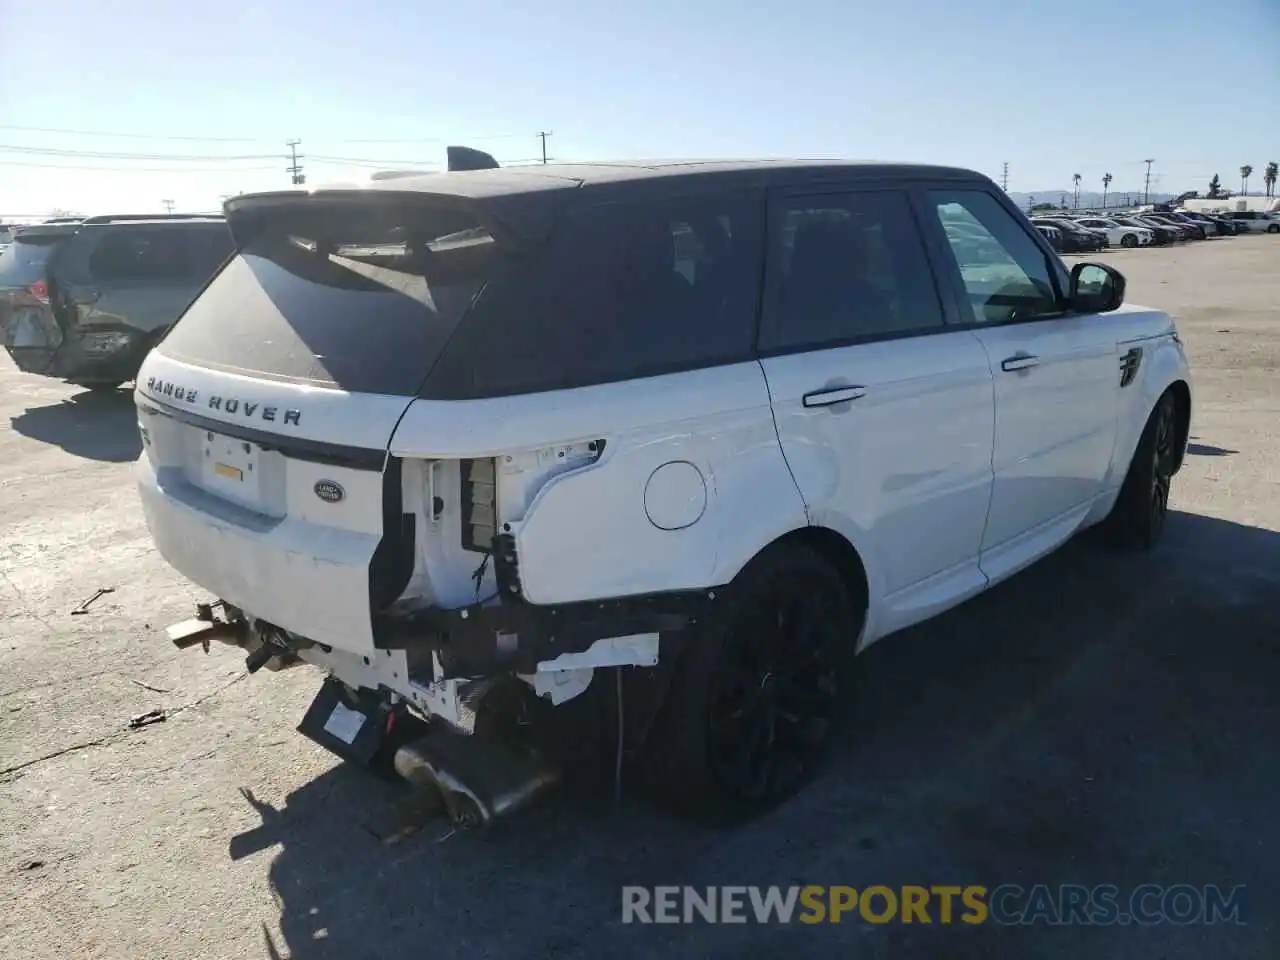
(139, 255)
(620, 291)
(1005, 273)
(844, 267)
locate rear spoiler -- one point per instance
(466, 158)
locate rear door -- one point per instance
(884, 412)
(268, 408)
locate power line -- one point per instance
(328, 158)
(130, 136)
(114, 155)
(116, 169)
(215, 139)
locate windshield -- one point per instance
(359, 299)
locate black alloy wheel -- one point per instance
(1162, 463)
(1142, 507)
(758, 690)
(773, 694)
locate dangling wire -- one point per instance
(477, 576)
(617, 772)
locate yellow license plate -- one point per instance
(231, 473)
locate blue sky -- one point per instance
(967, 82)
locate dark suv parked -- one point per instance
(85, 301)
(1075, 238)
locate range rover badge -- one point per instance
(329, 492)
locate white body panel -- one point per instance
(589, 531)
(903, 471)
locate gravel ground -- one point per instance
(1098, 719)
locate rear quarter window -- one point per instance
(620, 291)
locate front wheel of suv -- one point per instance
(751, 710)
(1129, 240)
(1274, 228)
(1138, 518)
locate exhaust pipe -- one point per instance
(479, 780)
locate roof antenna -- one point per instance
(466, 158)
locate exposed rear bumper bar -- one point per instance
(517, 636)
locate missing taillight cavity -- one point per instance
(39, 290)
(479, 504)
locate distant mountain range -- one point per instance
(1089, 199)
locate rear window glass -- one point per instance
(360, 298)
(24, 260)
(621, 290)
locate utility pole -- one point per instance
(1146, 190)
(294, 167)
(542, 135)
(1004, 178)
(168, 206)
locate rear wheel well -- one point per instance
(841, 554)
(1182, 411)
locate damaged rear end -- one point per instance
(271, 477)
(29, 328)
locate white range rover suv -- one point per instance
(671, 439)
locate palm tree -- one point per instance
(1075, 200)
(1106, 185)
(1245, 172)
(1270, 176)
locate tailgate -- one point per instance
(268, 409)
(278, 523)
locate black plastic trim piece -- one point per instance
(313, 451)
(393, 559)
(482, 640)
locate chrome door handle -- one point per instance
(832, 395)
(1020, 361)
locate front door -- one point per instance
(1056, 376)
(883, 412)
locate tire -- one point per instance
(752, 707)
(1274, 228)
(1138, 518)
(1129, 240)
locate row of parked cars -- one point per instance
(1085, 233)
(84, 300)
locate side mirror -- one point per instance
(1096, 288)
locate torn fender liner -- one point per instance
(516, 636)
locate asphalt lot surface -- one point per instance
(1098, 719)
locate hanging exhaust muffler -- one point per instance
(479, 780)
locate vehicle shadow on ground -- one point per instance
(1100, 718)
(95, 425)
